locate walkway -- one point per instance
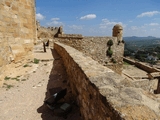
(24, 99)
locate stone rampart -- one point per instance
(96, 47)
(17, 31)
(101, 93)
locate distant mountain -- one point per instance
(140, 38)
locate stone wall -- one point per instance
(17, 30)
(96, 47)
(142, 66)
(103, 94)
(70, 36)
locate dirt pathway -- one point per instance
(24, 101)
(21, 101)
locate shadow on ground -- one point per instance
(58, 79)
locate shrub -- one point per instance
(9, 86)
(16, 78)
(110, 43)
(113, 60)
(36, 61)
(26, 65)
(23, 80)
(109, 52)
(6, 78)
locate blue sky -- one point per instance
(97, 17)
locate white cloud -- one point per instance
(153, 24)
(76, 27)
(143, 27)
(153, 29)
(88, 17)
(148, 14)
(55, 22)
(108, 24)
(134, 28)
(55, 19)
(40, 17)
(144, 30)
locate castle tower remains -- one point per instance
(118, 32)
(60, 31)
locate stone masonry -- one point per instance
(103, 94)
(17, 31)
(96, 47)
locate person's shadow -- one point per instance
(57, 80)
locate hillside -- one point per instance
(145, 49)
(139, 38)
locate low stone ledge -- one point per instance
(77, 36)
(141, 65)
(101, 93)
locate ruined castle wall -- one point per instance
(46, 33)
(101, 93)
(17, 30)
(96, 47)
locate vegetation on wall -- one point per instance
(109, 51)
(110, 43)
(113, 60)
(121, 42)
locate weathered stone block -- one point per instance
(26, 25)
(8, 3)
(2, 29)
(14, 8)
